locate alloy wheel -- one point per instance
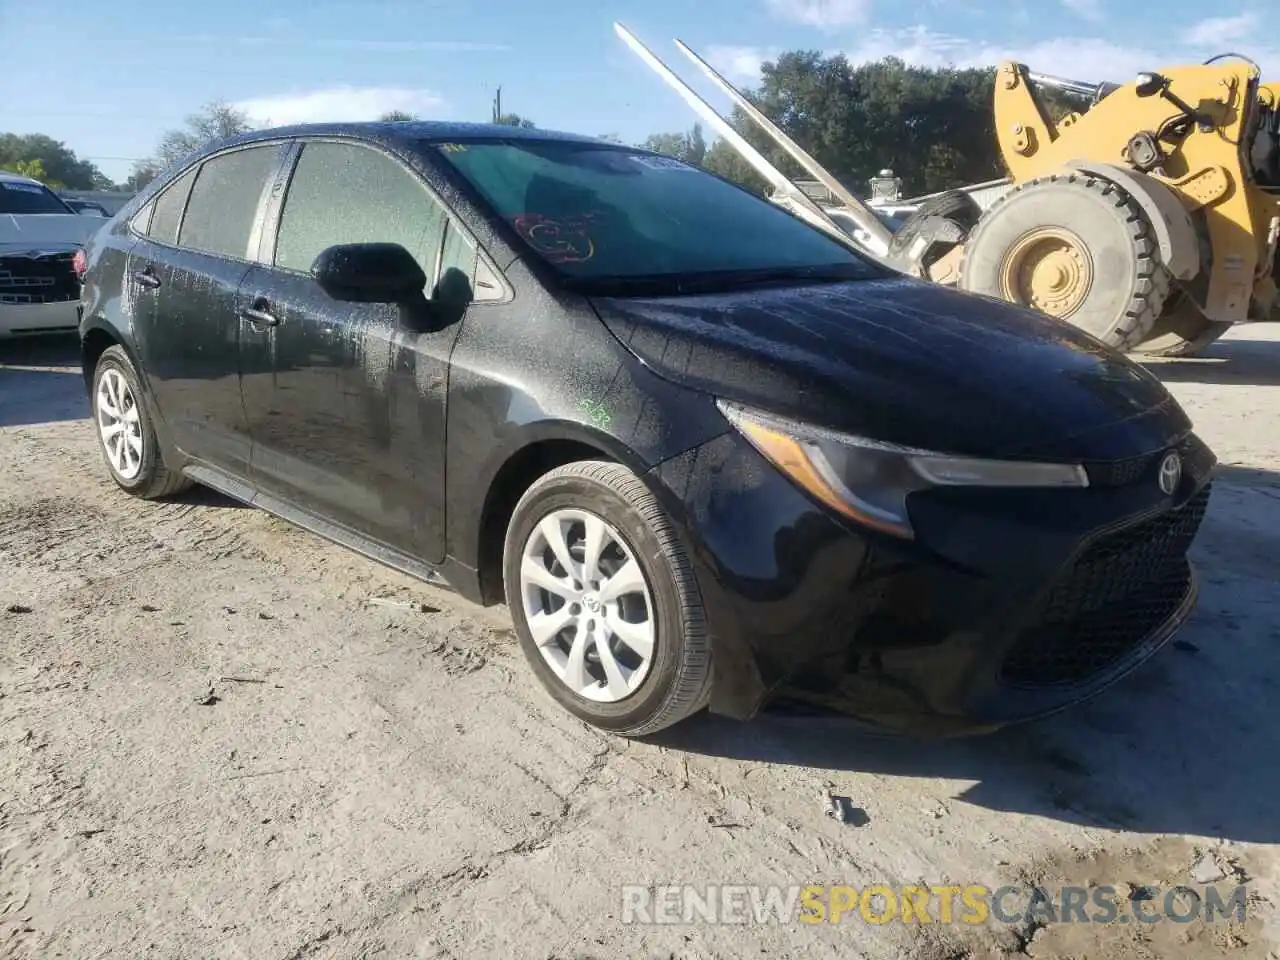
(119, 424)
(588, 605)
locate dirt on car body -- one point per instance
(221, 736)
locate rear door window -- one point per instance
(348, 193)
(224, 201)
(167, 209)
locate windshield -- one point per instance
(18, 197)
(609, 217)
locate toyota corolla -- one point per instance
(706, 454)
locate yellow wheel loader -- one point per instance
(1147, 217)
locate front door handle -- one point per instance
(258, 316)
(147, 278)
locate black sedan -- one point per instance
(707, 455)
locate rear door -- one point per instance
(350, 424)
(184, 278)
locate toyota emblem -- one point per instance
(1170, 473)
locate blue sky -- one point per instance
(110, 81)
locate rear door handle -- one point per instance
(147, 278)
(259, 317)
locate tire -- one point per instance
(954, 205)
(676, 681)
(1182, 331)
(1094, 233)
(116, 388)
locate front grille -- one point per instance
(1119, 590)
(1121, 473)
(47, 279)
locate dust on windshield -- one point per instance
(595, 211)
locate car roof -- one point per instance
(18, 178)
(446, 132)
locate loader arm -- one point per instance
(859, 211)
(786, 194)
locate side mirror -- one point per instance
(92, 212)
(369, 273)
(1149, 84)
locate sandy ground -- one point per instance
(212, 744)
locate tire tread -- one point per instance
(164, 481)
(1153, 282)
(691, 688)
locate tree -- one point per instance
(214, 121)
(62, 168)
(397, 116)
(932, 126)
(514, 120)
(691, 147)
(723, 160)
(35, 170)
(143, 173)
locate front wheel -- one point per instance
(604, 600)
(1076, 248)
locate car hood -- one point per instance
(23, 232)
(906, 362)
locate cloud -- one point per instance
(740, 64)
(823, 14)
(1088, 9)
(1219, 31)
(341, 43)
(1084, 58)
(340, 103)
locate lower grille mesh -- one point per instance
(1115, 594)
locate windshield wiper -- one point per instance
(745, 279)
(715, 281)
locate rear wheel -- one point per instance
(1182, 331)
(604, 600)
(126, 435)
(1073, 247)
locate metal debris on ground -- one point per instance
(415, 605)
(842, 809)
(208, 698)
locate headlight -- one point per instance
(869, 481)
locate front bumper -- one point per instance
(29, 319)
(1009, 605)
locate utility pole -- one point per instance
(497, 105)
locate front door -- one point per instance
(184, 278)
(350, 424)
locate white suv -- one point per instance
(40, 237)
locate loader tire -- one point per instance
(1182, 331)
(1074, 247)
(954, 205)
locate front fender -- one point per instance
(1172, 224)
